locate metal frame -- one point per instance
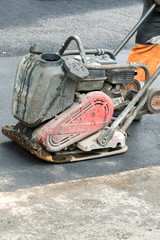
(139, 98)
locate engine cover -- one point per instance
(93, 113)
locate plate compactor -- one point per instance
(77, 104)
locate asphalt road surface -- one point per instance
(102, 23)
(99, 24)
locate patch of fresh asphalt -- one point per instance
(99, 24)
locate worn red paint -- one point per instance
(79, 121)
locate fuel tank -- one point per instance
(41, 89)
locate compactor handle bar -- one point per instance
(83, 52)
(135, 28)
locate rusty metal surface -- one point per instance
(23, 141)
(153, 101)
(59, 157)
